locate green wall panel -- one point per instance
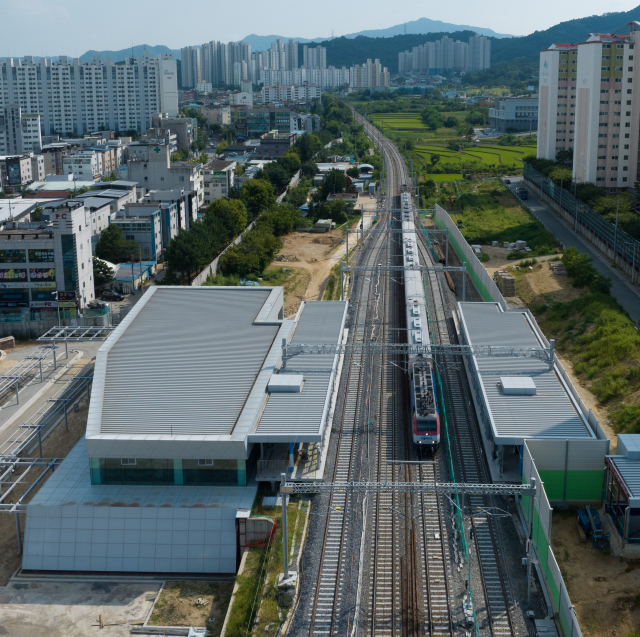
(581, 485)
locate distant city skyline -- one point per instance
(52, 27)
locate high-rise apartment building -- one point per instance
(593, 87)
(446, 56)
(479, 53)
(19, 132)
(76, 97)
(370, 75)
(191, 66)
(314, 58)
(557, 102)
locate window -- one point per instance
(207, 462)
(614, 157)
(127, 461)
(604, 113)
(630, 69)
(601, 168)
(626, 157)
(602, 156)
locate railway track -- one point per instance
(409, 585)
(467, 450)
(329, 612)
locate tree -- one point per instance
(231, 212)
(431, 117)
(102, 273)
(564, 156)
(308, 145)
(353, 172)
(335, 181)
(435, 158)
(257, 195)
(111, 177)
(189, 251)
(451, 122)
(291, 163)
(309, 169)
(113, 247)
(276, 174)
(36, 213)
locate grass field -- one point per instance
(444, 177)
(492, 213)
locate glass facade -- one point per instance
(69, 262)
(159, 472)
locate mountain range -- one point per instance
(415, 27)
(385, 44)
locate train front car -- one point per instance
(425, 420)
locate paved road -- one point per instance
(626, 294)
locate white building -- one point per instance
(72, 96)
(218, 179)
(557, 101)
(314, 58)
(83, 165)
(305, 123)
(241, 98)
(370, 75)
(280, 94)
(19, 132)
(204, 87)
(151, 167)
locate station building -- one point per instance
(523, 398)
(189, 397)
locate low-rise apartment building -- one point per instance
(152, 225)
(218, 179)
(82, 165)
(280, 94)
(185, 128)
(274, 145)
(16, 172)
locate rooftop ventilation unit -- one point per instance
(518, 386)
(291, 383)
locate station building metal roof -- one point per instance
(549, 414)
(185, 374)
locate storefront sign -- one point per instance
(39, 274)
(45, 304)
(39, 256)
(66, 303)
(45, 285)
(66, 296)
(13, 256)
(13, 274)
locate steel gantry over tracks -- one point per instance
(443, 488)
(442, 349)
(403, 268)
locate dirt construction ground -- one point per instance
(63, 609)
(604, 589)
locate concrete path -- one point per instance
(626, 294)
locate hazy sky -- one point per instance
(52, 27)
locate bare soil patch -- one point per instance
(181, 604)
(312, 253)
(602, 587)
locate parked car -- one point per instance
(111, 295)
(507, 181)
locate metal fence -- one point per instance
(479, 276)
(588, 223)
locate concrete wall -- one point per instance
(484, 283)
